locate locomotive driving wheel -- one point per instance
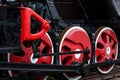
(106, 47)
(73, 39)
(26, 56)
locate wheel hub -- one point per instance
(108, 50)
(33, 60)
(77, 55)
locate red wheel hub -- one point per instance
(73, 39)
(106, 47)
(26, 56)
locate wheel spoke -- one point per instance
(46, 39)
(113, 54)
(100, 40)
(67, 47)
(99, 51)
(69, 44)
(102, 57)
(108, 38)
(42, 46)
(112, 43)
(45, 60)
(70, 59)
(17, 59)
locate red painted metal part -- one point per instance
(106, 47)
(73, 39)
(26, 56)
(26, 14)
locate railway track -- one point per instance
(113, 75)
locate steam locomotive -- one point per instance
(40, 38)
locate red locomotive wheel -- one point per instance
(26, 56)
(106, 47)
(73, 39)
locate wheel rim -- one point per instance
(73, 39)
(106, 47)
(26, 56)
